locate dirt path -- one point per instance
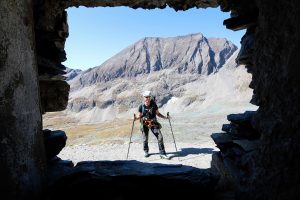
(196, 155)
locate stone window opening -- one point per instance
(63, 32)
(260, 167)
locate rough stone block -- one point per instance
(54, 95)
(54, 141)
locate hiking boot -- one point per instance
(164, 156)
(146, 155)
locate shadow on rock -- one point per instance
(132, 180)
(191, 151)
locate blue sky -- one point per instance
(96, 34)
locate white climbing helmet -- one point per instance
(146, 93)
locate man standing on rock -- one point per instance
(147, 116)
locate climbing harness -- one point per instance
(150, 123)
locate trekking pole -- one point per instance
(172, 130)
(130, 136)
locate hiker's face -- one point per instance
(147, 100)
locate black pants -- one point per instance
(158, 135)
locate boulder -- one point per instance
(133, 180)
(54, 141)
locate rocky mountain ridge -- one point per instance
(191, 54)
(183, 72)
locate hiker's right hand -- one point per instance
(168, 116)
(134, 117)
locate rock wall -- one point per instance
(22, 159)
(146, 4)
(277, 87)
(51, 31)
(260, 160)
(259, 152)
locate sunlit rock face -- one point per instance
(189, 54)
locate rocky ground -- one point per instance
(196, 155)
(110, 140)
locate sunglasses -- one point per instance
(147, 97)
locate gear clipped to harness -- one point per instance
(151, 123)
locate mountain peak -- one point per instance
(175, 37)
(192, 54)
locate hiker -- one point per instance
(147, 116)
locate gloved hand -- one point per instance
(168, 116)
(134, 117)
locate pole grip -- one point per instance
(168, 114)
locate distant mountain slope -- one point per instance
(193, 54)
(72, 73)
(185, 73)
